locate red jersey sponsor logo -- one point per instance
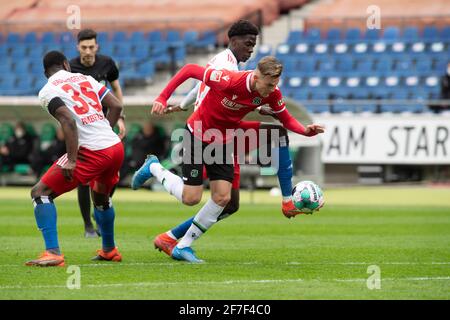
(92, 118)
(231, 104)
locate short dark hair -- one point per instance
(54, 59)
(242, 28)
(87, 34)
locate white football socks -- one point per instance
(171, 182)
(203, 220)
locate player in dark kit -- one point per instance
(103, 69)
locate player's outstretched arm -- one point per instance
(114, 108)
(292, 124)
(188, 71)
(58, 109)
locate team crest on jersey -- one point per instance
(215, 76)
(256, 101)
(280, 102)
(194, 173)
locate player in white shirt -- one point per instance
(242, 39)
(94, 154)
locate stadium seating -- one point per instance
(138, 54)
(394, 63)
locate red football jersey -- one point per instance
(228, 101)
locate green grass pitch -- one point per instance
(256, 254)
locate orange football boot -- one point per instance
(113, 255)
(289, 209)
(47, 259)
(165, 243)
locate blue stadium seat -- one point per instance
(360, 93)
(312, 35)
(340, 106)
(397, 48)
(391, 34)
(146, 70)
(102, 38)
(379, 47)
(141, 51)
(320, 49)
(48, 38)
(190, 37)
(294, 82)
(294, 37)
(410, 34)
(22, 67)
(123, 50)
(282, 51)
(137, 38)
(39, 82)
(364, 67)
(326, 66)
(366, 107)
(423, 66)
(360, 48)
(301, 94)
(319, 95)
(307, 66)
(8, 85)
(25, 85)
(384, 64)
(206, 40)
(317, 107)
(372, 35)
(353, 35)
(173, 36)
(4, 50)
(36, 68)
(334, 35)
(430, 34)
(301, 48)
(445, 34)
(70, 51)
(13, 38)
(66, 38)
(289, 66)
(30, 38)
(106, 48)
(345, 64)
(340, 48)
(5, 68)
(155, 36)
(394, 108)
(399, 94)
(18, 51)
(380, 92)
(120, 37)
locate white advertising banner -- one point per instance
(383, 139)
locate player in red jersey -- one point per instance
(211, 128)
(94, 154)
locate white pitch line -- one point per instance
(228, 282)
(106, 264)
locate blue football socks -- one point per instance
(45, 214)
(180, 230)
(105, 220)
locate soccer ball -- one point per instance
(307, 196)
